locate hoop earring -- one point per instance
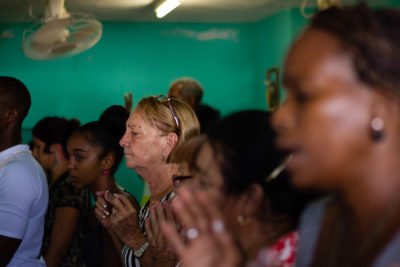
(377, 124)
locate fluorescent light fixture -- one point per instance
(165, 7)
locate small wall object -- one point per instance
(272, 91)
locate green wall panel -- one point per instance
(230, 61)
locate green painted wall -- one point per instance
(143, 58)
(273, 39)
(229, 59)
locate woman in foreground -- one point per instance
(341, 122)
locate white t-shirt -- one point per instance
(23, 204)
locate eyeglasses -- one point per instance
(168, 99)
(278, 170)
(177, 179)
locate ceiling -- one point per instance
(15, 11)
(142, 10)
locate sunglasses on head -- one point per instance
(162, 99)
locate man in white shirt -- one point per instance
(23, 185)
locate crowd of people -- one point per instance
(313, 184)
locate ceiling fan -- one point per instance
(60, 34)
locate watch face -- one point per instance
(137, 253)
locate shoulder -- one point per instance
(315, 210)
(65, 187)
(23, 172)
(390, 256)
(206, 110)
(66, 195)
(310, 225)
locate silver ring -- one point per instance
(192, 233)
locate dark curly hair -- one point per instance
(371, 38)
(55, 130)
(106, 133)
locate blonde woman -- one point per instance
(155, 129)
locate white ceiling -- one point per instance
(142, 10)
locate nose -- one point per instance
(194, 184)
(283, 118)
(71, 164)
(124, 140)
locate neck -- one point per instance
(102, 184)
(372, 194)
(253, 237)
(158, 178)
(10, 137)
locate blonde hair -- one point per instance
(189, 150)
(160, 113)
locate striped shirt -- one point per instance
(128, 259)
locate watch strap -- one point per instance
(139, 252)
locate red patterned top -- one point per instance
(281, 254)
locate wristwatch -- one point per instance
(139, 252)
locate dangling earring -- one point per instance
(106, 172)
(377, 125)
(242, 220)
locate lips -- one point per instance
(73, 179)
(293, 151)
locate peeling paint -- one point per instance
(209, 35)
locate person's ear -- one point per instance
(10, 115)
(379, 119)
(108, 161)
(250, 202)
(171, 140)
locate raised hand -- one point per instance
(161, 213)
(208, 244)
(102, 210)
(123, 218)
(128, 101)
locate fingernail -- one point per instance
(107, 213)
(105, 206)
